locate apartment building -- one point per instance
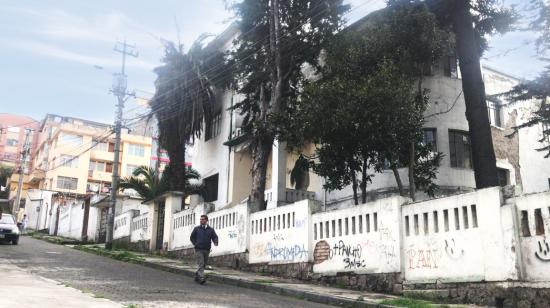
(225, 161)
(12, 138)
(75, 156)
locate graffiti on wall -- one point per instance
(351, 255)
(286, 253)
(423, 258)
(543, 252)
(452, 250)
(387, 244)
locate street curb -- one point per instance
(265, 287)
(55, 240)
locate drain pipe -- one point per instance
(229, 150)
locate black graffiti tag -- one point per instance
(452, 251)
(544, 251)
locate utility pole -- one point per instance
(22, 161)
(119, 90)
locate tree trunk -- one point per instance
(412, 160)
(84, 235)
(483, 154)
(363, 185)
(354, 187)
(264, 137)
(177, 166)
(259, 173)
(398, 180)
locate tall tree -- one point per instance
(471, 21)
(184, 99)
(538, 89)
(277, 38)
(366, 109)
(149, 184)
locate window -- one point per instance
(211, 188)
(72, 139)
(136, 150)
(66, 182)
(13, 129)
(502, 175)
(101, 146)
(68, 161)
(459, 148)
(109, 167)
(494, 113)
(97, 166)
(429, 138)
(450, 67)
(216, 127)
(12, 142)
(130, 169)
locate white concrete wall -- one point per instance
(140, 228)
(182, 226)
(362, 239)
(535, 169)
(281, 235)
(122, 225)
(464, 243)
(534, 232)
(230, 225)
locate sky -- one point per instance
(51, 51)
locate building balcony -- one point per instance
(37, 175)
(291, 196)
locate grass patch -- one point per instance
(132, 306)
(412, 303)
(264, 281)
(98, 296)
(121, 255)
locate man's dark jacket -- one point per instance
(202, 237)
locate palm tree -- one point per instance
(184, 99)
(147, 183)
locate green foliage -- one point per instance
(185, 98)
(537, 89)
(5, 173)
(306, 27)
(146, 182)
(490, 17)
(299, 174)
(277, 40)
(367, 106)
(411, 303)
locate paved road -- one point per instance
(132, 284)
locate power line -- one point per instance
(119, 91)
(165, 107)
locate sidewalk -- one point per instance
(18, 288)
(276, 285)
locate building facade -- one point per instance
(12, 138)
(225, 161)
(77, 156)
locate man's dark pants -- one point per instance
(201, 255)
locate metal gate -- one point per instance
(160, 227)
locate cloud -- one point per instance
(54, 51)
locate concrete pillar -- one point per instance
(278, 174)
(172, 204)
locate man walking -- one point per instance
(202, 237)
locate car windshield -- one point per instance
(7, 219)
